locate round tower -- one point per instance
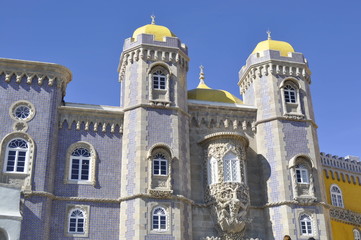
(155, 154)
(276, 80)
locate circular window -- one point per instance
(22, 111)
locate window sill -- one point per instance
(78, 182)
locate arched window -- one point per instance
(336, 196)
(306, 224)
(159, 80)
(212, 171)
(231, 168)
(17, 154)
(290, 94)
(159, 219)
(356, 234)
(302, 174)
(80, 164)
(76, 222)
(160, 165)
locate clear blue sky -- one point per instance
(87, 37)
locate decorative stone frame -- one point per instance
(302, 192)
(167, 207)
(159, 96)
(314, 226)
(22, 180)
(86, 210)
(160, 185)
(228, 201)
(93, 159)
(19, 103)
(291, 109)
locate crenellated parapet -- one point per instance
(38, 72)
(91, 118)
(272, 63)
(144, 47)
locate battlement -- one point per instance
(348, 163)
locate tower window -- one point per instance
(80, 164)
(159, 79)
(302, 174)
(231, 169)
(306, 224)
(336, 196)
(290, 94)
(160, 165)
(16, 156)
(159, 219)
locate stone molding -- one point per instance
(28, 71)
(288, 118)
(90, 120)
(151, 53)
(272, 67)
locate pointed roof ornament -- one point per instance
(153, 19)
(269, 34)
(202, 84)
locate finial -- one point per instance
(153, 18)
(201, 74)
(269, 34)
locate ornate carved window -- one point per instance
(159, 219)
(302, 178)
(80, 164)
(231, 168)
(159, 84)
(77, 221)
(160, 165)
(17, 156)
(356, 234)
(212, 171)
(336, 196)
(291, 101)
(306, 225)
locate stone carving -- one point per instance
(229, 200)
(346, 216)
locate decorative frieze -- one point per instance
(346, 216)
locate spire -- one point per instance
(202, 84)
(269, 34)
(153, 19)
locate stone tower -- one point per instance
(155, 155)
(276, 80)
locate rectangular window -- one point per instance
(160, 167)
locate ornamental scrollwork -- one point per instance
(346, 216)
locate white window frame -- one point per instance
(356, 234)
(82, 163)
(231, 164)
(290, 94)
(159, 219)
(17, 150)
(85, 210)
(336, 196)
(212, 171)
(306, 226)
(161, 82)
(161, 160)
(302, 174)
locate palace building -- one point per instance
(171, 163)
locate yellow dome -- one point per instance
(205, 93)
(283, 47)
(158, 31)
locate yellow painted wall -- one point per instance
(351, 194)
